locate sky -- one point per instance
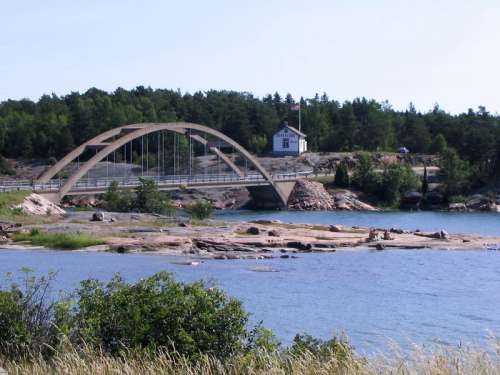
(425, 52)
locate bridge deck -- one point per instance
(99, 185)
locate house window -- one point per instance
(285, 143)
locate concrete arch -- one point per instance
(137, 131)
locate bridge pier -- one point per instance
(266, 197)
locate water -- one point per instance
(483, 223)
(403, 295)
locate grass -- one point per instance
(439, 361)
(63, 241)
(9, 213)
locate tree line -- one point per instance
(54, 125)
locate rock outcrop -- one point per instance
(35, 204)
(310, 195)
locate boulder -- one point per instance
(253, 230)
(479, 202)
(457, 207)
(98, 216)
(374, 236)
(35, 204)
(273, 233)
(336, 228)
(299, 245)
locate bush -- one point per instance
(200, 209)
(365, 178)
(149, 199)
(159, 313)
(117, 200)
(337, 347)
(118, 318)
(396, 180)
(25, 316)
(342, 176)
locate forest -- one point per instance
(53, 125)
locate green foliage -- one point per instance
(149, 199)
(342, 176)
(425, 183)
(25, 316)
(455, 173)
(159, 312)
(439, 144)
(338, 347)
(365, 177)
(10, 199)
(120, 318)
(397, 179)
(53, 125)
(5, 168)
(117, 200)
(200, 209)
(53, 240)
(261, 339)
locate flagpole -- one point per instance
(300, 125)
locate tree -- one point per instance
(454, 172)
(149, 199)
(425, 183)
(439, 144)
(342, 176)
(364, 176)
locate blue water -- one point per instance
(403, 295)
(483, 223)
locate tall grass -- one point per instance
(441, 361)
(64, 241)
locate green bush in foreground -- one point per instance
(119, 318)
(200, 209)
(64, 241)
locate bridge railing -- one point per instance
(131, 181)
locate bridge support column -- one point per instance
(266, 197)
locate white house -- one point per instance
(289, 141)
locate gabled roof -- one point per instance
(295, 131)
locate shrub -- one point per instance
(149, 199)
(159, 313)
(342, 176)
(200, 209)
(25, 316)
(117, 200)
(365, 177)
(396, 180)
(336, 347)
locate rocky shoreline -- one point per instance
(149, 234)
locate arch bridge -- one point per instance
(266, 190)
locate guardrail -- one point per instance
(162, 181)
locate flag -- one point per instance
(295, 107)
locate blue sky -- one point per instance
(427, 52)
